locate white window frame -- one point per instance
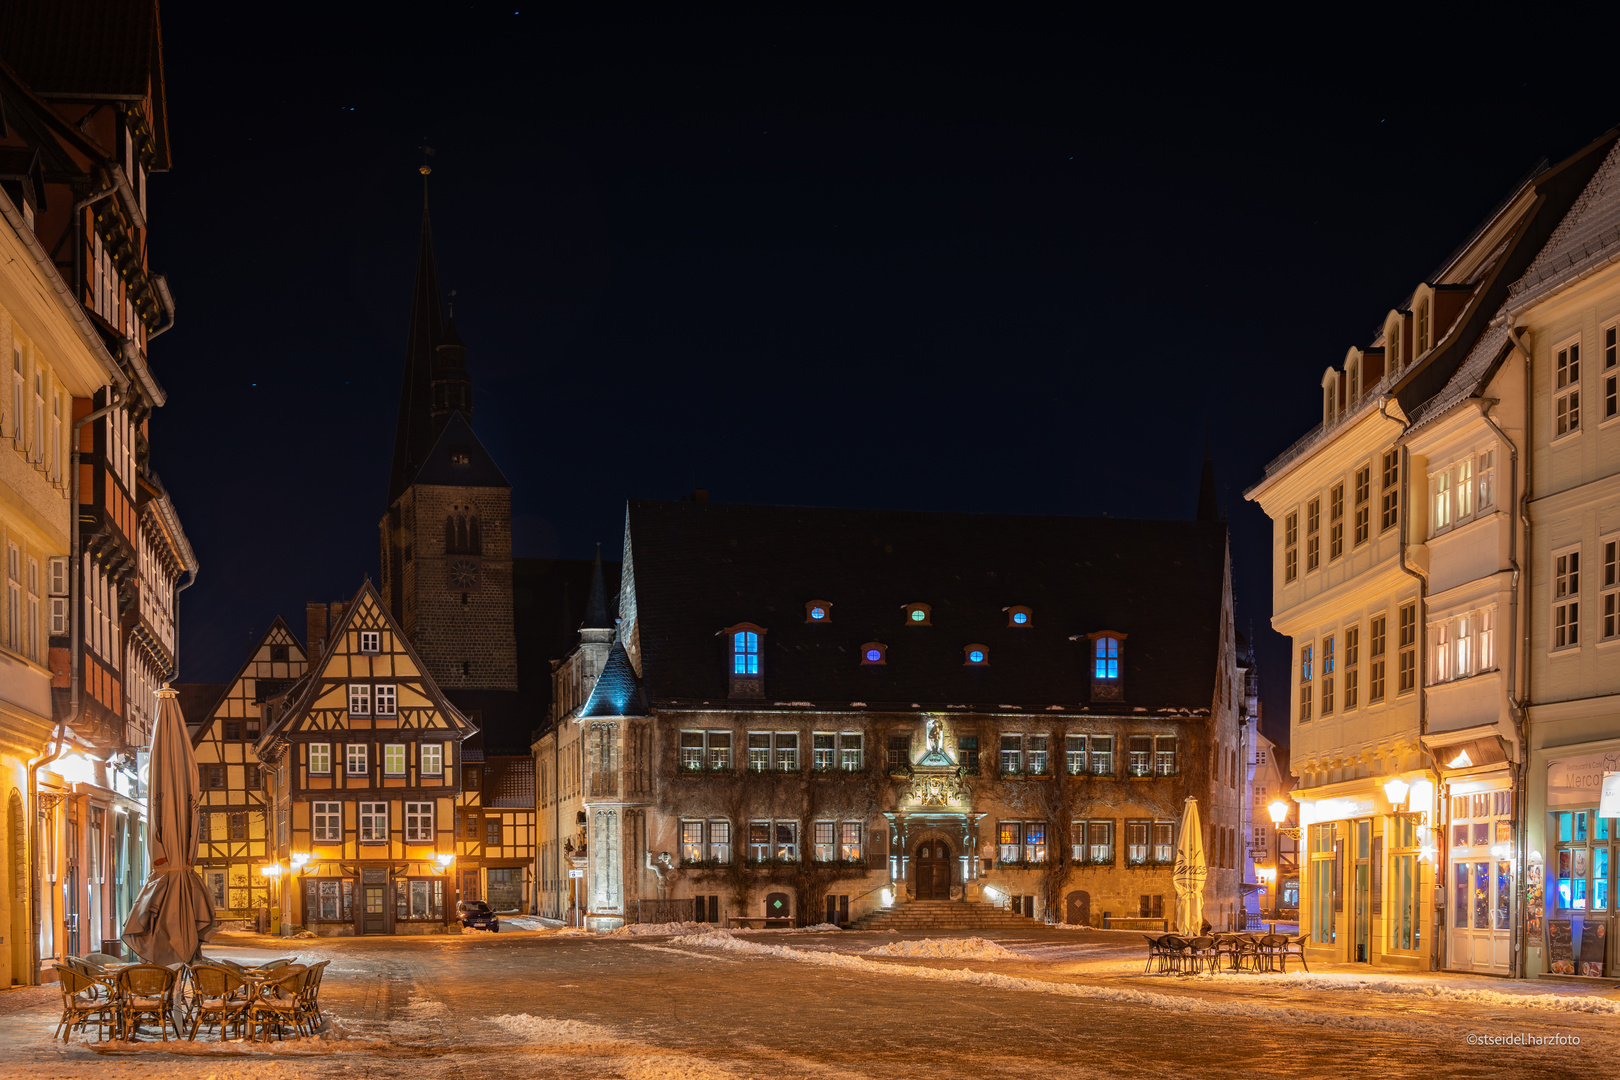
(1609, 376)
(326, 823)
(359, 699)
(371, 641)
(1609, 586)
(851, 751)
(430, 759)
(394, 758)
(1012, 757)
(419, 823)
(385, 700)
(373, 815)
(355, 760)
(1564, 622)
(823, 751)
(320, 759)
(1566, 388)
(824, 835)
(851, 841)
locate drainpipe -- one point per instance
(174, 621)
(1421, 630)
(1522, 709)
(33, 848)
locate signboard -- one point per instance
(576, 873)
(1561, 946)
(1579, 781)
(1609, 798)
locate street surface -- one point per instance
(1069, 1004)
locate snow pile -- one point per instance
(475, 930)
(664, 929)
(723, 939)
(972, 948)
(525, 922)
(551, 1031)
(1418, 988)
(305, 934)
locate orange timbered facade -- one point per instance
(363, 755)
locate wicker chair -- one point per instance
(1202, 955)
(147, 990)
(272, 965)
(280, 1000)
(84, 999)
(1294, 946)
(216, 997)
(309, 1005)
(101, 959)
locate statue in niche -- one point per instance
(665, 870)
(936, 736)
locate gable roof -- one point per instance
(508, 782)
(440, 466)
(1587, 239)
(365, 611)
(197, 701)
(617, 691)
(696, 568)
(277, 633)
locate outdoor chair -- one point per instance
(103, 985)
(1177, 953)
(84, 999)
(101, 959)
(272, 965)
(217, 998)
(1155, 952)
(280, 1000)
(147, 990)
(1202, 955)
(1228, 950)
(1294, 946)
(309, 1003)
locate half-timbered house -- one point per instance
(363, 755)
(236, 825)
(495, 825)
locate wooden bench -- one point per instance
(1116, 922)
(763, 921)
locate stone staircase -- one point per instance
(923, 916)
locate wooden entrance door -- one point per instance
(374, 902)
(933, 870)
(1078, 912)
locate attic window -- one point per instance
(370, 641)
(1019, 616)
(745, 668)
(818, 611)
(874, 652)
(975, 656)
(919, 615)
(1107, 671)
(460, 456)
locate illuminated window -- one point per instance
(1107, 682)
(745, 653)
(874, 652)
(919, 615)
(1566, 620)
(1106, 654)
(818, 611)
(976, 656)
(1019, 616)
(1567, 390)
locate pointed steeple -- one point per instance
(414, 432)
(1207, 508)
(596, 612)
(617, 691)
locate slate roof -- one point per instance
(439, 464)
(1475, 369)
(197, 700)
(1586, 239)
(508, 782)
(700, 567)
(617, 691)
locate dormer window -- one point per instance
(975, 656)
(874, 652)
(1019, 616)
(1330, 397)
(1422, 328)
(818, 611)
(745, 667)
(1107, 672)
(919, 615)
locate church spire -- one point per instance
(596, 612)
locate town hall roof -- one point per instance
(695, 569)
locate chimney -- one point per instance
(337, 615)
(315, 628)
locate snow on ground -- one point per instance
(663, 929)
(971, 948)
(1417, 987)
(550, 1031)
(628, 1058)
(524, 922)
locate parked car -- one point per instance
(478, 915)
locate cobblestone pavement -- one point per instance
(547, 1005)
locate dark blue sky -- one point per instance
(930, 263)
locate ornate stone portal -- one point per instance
(937, 804)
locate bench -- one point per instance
(1116, 922)
(764, 922)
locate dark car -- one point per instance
(477, 914)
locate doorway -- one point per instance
(1077, 909)
(933, 870)
(374, 906)
(1363, 888)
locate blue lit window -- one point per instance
(818, 611)
(976, 655)
(745, 653)
(1107, 658)
(874, 652)
(1019, 616)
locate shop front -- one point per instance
(1582, 837)
(1481, 855)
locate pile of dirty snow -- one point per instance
(661, 929)
(553, 1031)
(972, 948)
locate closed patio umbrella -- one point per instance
(173, 915)
(1191, 870)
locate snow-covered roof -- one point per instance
(1586, 239)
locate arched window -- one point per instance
(1106, 657)
(818, 611)
(919, 615)
(874, 652)
(1107, 665)
(745, 653)
(975, 656)
(1422, 328)
(461, 533)
(1019, 615)
(745, 666)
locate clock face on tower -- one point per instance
(463, 573)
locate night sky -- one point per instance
(917, 263)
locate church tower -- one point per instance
(447, 532)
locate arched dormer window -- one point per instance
(1352, 375)
(818, 611)
(461, 533)
(1422, 344)
(1330, 397)
(1107, 665)
(1018, 615)
(975, 656)
(874, 652)
(745, 660)
(919, 615)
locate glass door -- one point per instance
(1584, 908)
(1482, 882)
(1363, 898)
